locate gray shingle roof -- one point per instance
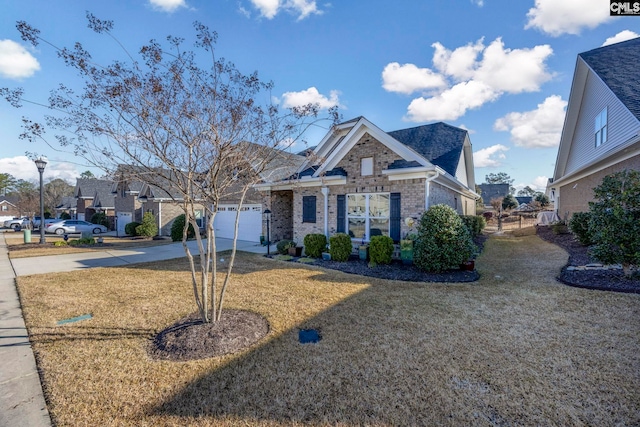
(439, 143)
(87, 187)
(618, 65)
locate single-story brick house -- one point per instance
(363, 181)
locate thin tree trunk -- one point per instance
(233, 252)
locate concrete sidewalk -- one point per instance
(21, 399)
(120, 257)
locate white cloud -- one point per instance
(310, 96)
(567, 16)
(460, 63)
(478, 3)
(452, 103)
(514, 70)
(15, 61)
(168, 5)
(473, 75)
(620, 37)
(21, 167)
(540, 183)
(408, 78)
(489, 157)
(539, 128)
(270, 8)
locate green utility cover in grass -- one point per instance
(75, 319)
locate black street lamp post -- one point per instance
(40, 164)
(267, 214)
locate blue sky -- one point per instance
(501, 69)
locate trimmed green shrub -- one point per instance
(443, 240)
(65, 215)
(474, 223)
(380, 249)
(283, 246)
(615, 220)
(130, 228)
(178, 226)
(340, 247)
(314, 245)
(100, 218)
(148, 227)
(579, 225)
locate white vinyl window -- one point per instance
(366, 166)
(368, 215)
(601, 127)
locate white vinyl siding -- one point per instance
(621, 124)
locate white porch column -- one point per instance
(325, 193)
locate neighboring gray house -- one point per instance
(69, 205)
(489, 192)
(363, 181)
(601, 133)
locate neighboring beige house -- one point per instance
(601, 133)
(363, 181)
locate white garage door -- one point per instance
(123, 219)
(249, 228)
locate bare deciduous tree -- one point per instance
(202, 134)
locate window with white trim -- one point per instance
(368, 215)
(601, 127)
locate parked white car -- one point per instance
(74, 226)
(17, 223)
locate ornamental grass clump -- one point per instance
(444, 242)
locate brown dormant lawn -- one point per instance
(515, 348)
(19, 249)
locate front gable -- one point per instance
(335, 147)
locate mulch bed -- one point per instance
(398, 271)
(604, 280)
(192, 339)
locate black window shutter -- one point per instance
(395, 219)
(309, 209)
(342, 213)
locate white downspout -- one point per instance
(159, 219)
(325, 193)
(427, 189)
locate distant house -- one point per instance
(86, 191)
(127, 204)
(8, 208)
(364, 181)
(69, 205)
(601, 133)
(489, 192)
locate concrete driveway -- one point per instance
(120, 257)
